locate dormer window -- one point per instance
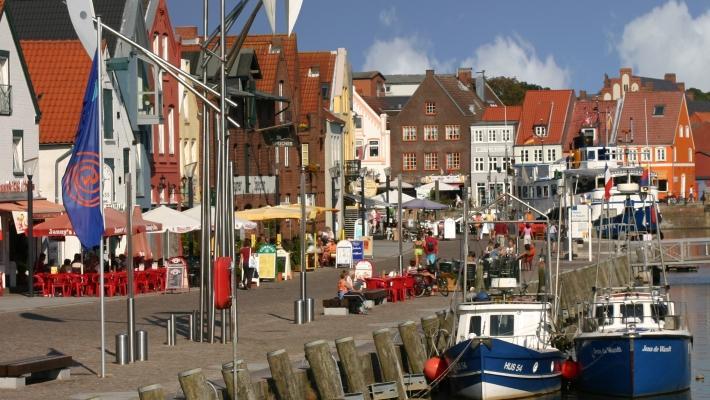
(430, 108)
(540, 131)
(274, 49)
(658, 110)
(314, 72)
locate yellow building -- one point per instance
(189, 138)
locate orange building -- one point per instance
(654, 131)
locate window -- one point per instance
(18, 153)
(506, 134)
(660, 154)
(662, 185)
(5, 88)
(431, 133)
(475, 325)
(374, 148)
(171, 131)
(690, 155)
(108, 113)
(631, 312)
(605, 314)
(453, 161)
(491, 135)
(540, 130)
(538, 192)
(506, 163)
(325, 91)
(281, 106)
(286, 149)
(156, 44)
(409, 133)
(658, 110)
(276, 155)
(161, 138)
(633, 155)
(388, 88)
(453, 132)
(274, 49)
(165, 47)
(646, 154)
(493, 163)
(551, 155)
(687, 131)
(359, 149)
(431, 161)
(478, 135)
(314, 71)
(525, 192)
(502, 325)
(409, 162)
(525, 155)
(430, 108)
(538, 155)
(357, 120)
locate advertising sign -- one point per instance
(358, 253)
(579, 219)
(367, 246)
(20, 218)
(363, 270)
(267, 262)
(344, 254)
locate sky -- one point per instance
(554, 43)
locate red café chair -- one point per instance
(41, 284)
(76, 286)
(121, 282)
(375, 283)
(140, 282)
(59, 281)
(109, 284)
(409, 283)
(90, 281)
(398, 290)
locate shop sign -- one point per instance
(20, 219)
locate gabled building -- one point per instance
(166, 180)
(19, 139)
(660, 138)
(403, 85)
(372, 137)
(492, 141)
(615, 88)
(430, 135)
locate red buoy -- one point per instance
(434, 368)
(222, 287)
(570, 369)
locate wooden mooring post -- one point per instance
(245, 388)
(194, 385)
(287, 387)
(413, 346)
(353, 366)
(389, 362)
(430, 326)
(325, 370)
(151, 392)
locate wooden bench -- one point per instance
(376, 295)
(13, 374)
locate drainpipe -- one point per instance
(57, 184)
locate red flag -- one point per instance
(608, 183)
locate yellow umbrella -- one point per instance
(311, 211)
(268, 213)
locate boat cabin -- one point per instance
(632, 310)
(523, 323)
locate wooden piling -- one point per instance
(391, 368)
(325, 370)
(287, 387)
(266, 389)
(413, 345)
(151, 392)
(194, 385)
(370, 367)
(305, 380)
(430, 326)
(352, 366)
(245, 389)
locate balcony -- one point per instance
(5, 99)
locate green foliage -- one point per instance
(510, 90)
(698, 95)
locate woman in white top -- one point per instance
(527, 234)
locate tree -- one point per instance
(510, 90)
(698, 95)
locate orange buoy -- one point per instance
(570, 369)
(435, 367)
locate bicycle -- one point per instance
(424, 286)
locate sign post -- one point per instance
(344, 254)
(267, 262)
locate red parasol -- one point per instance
(114, 224)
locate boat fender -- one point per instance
(482, 296)
(570, 369)
(434, 368)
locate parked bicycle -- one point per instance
(424, 283)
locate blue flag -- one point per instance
(81, 184)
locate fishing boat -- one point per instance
(634, 341)
(502, 347)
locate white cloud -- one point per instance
(402, 55)
(515, 57)
(388, 16)
(669, 39)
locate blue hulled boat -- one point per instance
(503, 350)
(635, 343)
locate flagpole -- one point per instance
(102, 313)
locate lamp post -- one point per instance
(334, 175)
(30, 165)
(190, 173)
(388, 176)
(363, 173)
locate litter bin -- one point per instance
(446, 266)
(141, 345)
(122, 349)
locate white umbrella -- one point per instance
(393, 197)
(172, 220)
(239, 223)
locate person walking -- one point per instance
(418, 250)
(245, 260)
(431, 249)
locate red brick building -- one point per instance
(615, 88)
(431, 135)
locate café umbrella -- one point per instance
(114, 224)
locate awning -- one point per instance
(41, 209)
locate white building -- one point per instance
(372, 138)
(402, 85)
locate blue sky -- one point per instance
(554, 43)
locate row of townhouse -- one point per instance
(43, 74)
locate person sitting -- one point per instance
(495, 253)
(40, 265)
(510, 249)
(66, 266)
(329, 252)
(342, 285)
(76, 265)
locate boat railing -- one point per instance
(536, 341)
(672, 322)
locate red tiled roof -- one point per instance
(268, 61)
(186, 32)
(591, 114)
(700, 117)
(310, 86)
(2, 5)
(701, 138)
(509, 113)
(546, 107)
(661, 129)
(374, 102)
(332, 117)
(59, 70)
(465, 98)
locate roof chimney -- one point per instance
(582, 94)
(430, 72)
(465, 75)
(669, 77)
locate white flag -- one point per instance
(270, 9)
(82, 17)
(293, 8)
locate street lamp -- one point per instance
(388, 176)
(190, 173)
(334, 175)
(30, 166)
(362, 173)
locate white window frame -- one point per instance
(286, 156)
(404, 161)
(646, 154)
(537, 155)
(506, 134)
(479, 164)
(660, 154)
(690, 154)
(156, 44)
(360, 144)
(431, 133)
(431, 161)
(18, 152)
(491, 135)
(161, 138)
(551, 155)
(166, 50)
(171, 130)
(430, 108)
(478, 135)
(453, 132)
(450, 161)
(525, 155)
(409, 133)
(492, 163)
(276, 155)
(373, 144)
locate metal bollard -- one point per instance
(309, 309)
(195, 326)
(223, 324)
(173, 331)
(122, 349)
(170, 331)
(298, 314)
(141, 353)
